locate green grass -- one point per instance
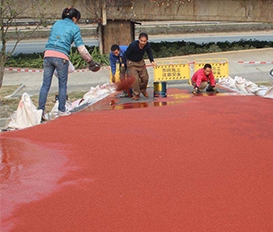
(9, 105)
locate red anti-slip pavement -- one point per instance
(202, 165)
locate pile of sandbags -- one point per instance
(94, 95)
(244, 86)
(27, 114)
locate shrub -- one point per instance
(162, 49)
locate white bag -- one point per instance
(98, 93)
(240, 84)
(269, 93)
(26, 114)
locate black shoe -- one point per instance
(124, 95)
(212, 90)
(43, 119)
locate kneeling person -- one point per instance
(203, 78)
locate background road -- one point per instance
(31, 46)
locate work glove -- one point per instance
(93, 66)
(113, 79)
(212, 89)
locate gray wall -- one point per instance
(147, 10)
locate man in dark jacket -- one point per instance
(133, 57)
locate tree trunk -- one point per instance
(3, 57)
(2, 70)
(3, 49)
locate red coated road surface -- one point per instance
(203, 164)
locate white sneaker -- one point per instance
(65, 113)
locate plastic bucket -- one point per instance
(160, 89)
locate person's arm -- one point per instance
(150, 54)
(212, 79)
(80, 45)
(77, 38)
(199, 80)
(92, 65)
(128, 52)
(84, 53)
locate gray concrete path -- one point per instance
(83, 81)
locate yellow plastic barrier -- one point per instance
(220, 66)
(172, 70)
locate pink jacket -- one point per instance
(199, 77)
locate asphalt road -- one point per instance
(31, 46)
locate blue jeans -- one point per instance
(61, 66)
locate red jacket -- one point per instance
(199, 77)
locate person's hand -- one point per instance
(93, 66)
(113, 79)
(122, 70)
(212, 89)
(154, 64)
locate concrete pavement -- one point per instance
(83, 81)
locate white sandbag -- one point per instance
(240, 84)
(26, 114)
(98, 92)
(91, 97)
(76, 103)
(260, 91)
(247, 87)
(251, 87)
(228, 81)
(54, 111)
(239, 80)
(253, 90)
(231, 82)
(269, 92)
(223, 81)
(71, 69)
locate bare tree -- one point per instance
(10, 11)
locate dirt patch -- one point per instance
(9, 105)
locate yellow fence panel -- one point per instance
(172, 70)
(220, 66)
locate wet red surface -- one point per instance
(202, 165)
